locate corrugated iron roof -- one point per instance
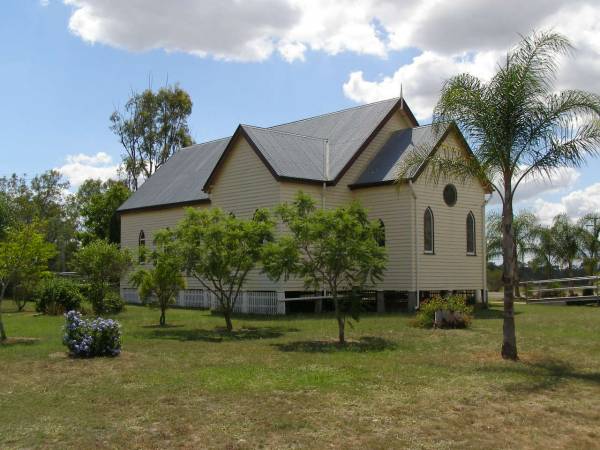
(292, 150)
(385, 165)
(180, 179)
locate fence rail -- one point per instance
(563, 290)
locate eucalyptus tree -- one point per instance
(589, 242)
(524, 225)
(519, 127)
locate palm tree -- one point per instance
(518, 127)
(544, 251)
(566, 238)
(589, 242)
(524, 225)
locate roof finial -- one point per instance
(401, 97)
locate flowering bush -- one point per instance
(462, 314)
(88, 338)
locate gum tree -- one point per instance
(519, 127)
(336, 250)
(219, 250)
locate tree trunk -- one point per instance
(516, 270)
(163, 319)
(509, 342)
(340, 318)
(2, 331)
(227, 314)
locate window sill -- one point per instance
(471, 254)
(429, 253)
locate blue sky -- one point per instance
(62, 74)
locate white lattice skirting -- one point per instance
(248, 302)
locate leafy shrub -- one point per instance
(89, 338)
(54, 296)
(455, 304)
(112, 303)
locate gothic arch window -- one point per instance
(470, 234)
(428, 231)
(141, 247)
(381, 236)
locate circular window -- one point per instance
(450, 195)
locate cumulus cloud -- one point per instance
(421, 79)
(451, 44)
(576, 204)
(533, 186)
(80, 167)
(249, 30)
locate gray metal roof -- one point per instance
(180, 179)
(384, 167)
(293, 150)
(290, 155)
(346, 130)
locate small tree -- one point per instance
(219, 250)
(103, 264)
(335, 250)
(24, 256)
(159, 285)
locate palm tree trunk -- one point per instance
(509, 343)
(163, 319)
(516, 270)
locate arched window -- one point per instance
(470, 234)
(428, 231)
(141, 247)
(381, 235)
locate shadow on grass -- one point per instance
(221, 334)
(18, 341)
(162, 327)
(541, 375)
(364, 344)
(491, 313)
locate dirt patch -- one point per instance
(19, 341)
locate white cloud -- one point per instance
(533, 186)
(440, 30)
(80, 167)
(421, 79)
(44, 2)
(576, 204)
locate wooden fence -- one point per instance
(563, 290)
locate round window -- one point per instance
(450, 195)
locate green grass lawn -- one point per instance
(278, 383)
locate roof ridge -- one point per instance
(270, 130)
(189, 147)
(335, 112)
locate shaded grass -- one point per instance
(284, 383)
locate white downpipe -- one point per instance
(416, 239)
(484, 245)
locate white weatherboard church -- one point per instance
(434, 231)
